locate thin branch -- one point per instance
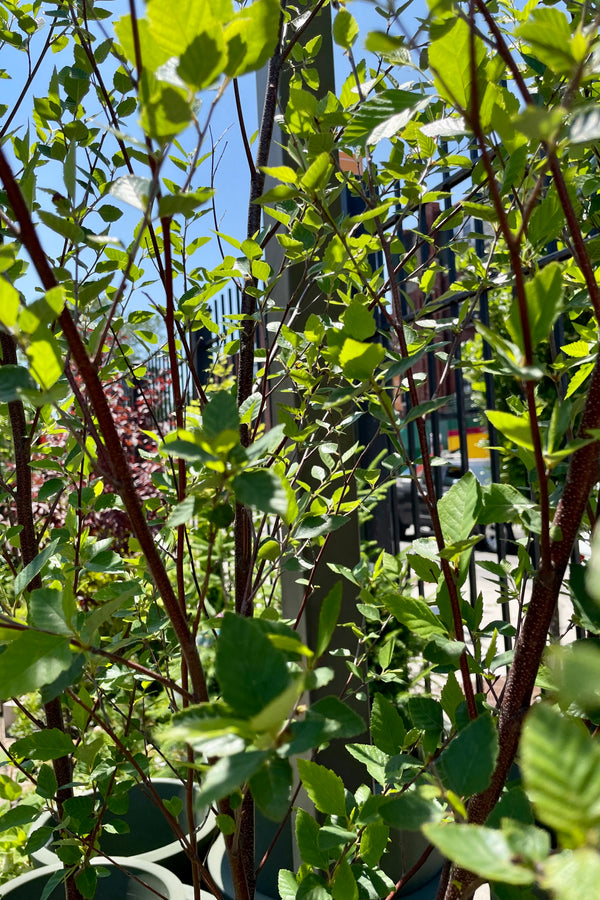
(121, 474)
(242, 124)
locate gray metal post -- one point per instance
(343, 545)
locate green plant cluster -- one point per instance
(235, 629)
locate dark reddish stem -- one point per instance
(120, 471)
(63, 768)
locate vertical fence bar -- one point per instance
(435, 446)
(459, 384)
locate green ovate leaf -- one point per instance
(264, 490)
(318, 173)
(515, 428)
(544, 295)
(561, 771)
(328, 618)
(271, 788)
(450, 59)
(324, 787)
(307, 838)
(502, 503)
(387, 728)
(376, 111)
(13, 380)
(251, 37)
(572, 874)
(46, 611)
(32, 660)
(251, 672)
(18, 817)
(165, 108)
(457, 509)
(373, 842)
(46, 781)
(416, 615)
(466, 765)
(409, 811)
(485, 851)
(229, 774)
(548, 34)
(220, 414)
(204, 59)
(152, 53)
(45, 360)
(9, 304)
(132, 189)
(345, 31)
(51, 743)
(87, 881)
(359, 360)
(343, 884)
(174, 31)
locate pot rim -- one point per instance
(173, 886)
(217, 865)
(46, 857)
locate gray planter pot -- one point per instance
(150, 838)
(218, 866)
(406, 849)
(281, 857)
(156, 882)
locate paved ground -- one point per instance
(488, 584)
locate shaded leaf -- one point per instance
(220, 414)
(228, 774)
(263, 489)
(204, 58)
(307, 838)
(251, 672)
(467, 763)
(51, 743)
(32, 660)
(271, 788)
(387, 728)
(46, 611)
(13, 379)
(47, 784)
(409, 811)
(328, 618)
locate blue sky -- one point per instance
(232, 174)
